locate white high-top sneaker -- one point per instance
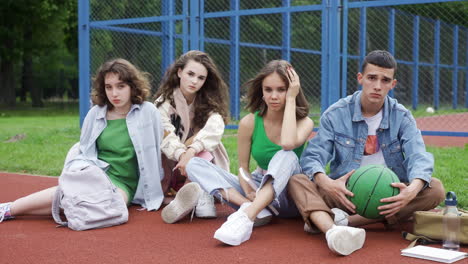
(205, 207)
(341, 219)
(5, 211)
(263, 218)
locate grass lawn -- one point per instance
(50, 132)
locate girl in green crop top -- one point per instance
(121, 134)
(274, 134)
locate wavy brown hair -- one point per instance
(213, 95)
(254, 97)
(128, 73)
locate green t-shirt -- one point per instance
(115, 147)
(262, 148)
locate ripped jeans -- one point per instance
(282, 166)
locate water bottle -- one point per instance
(451, 223)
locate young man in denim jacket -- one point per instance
(367, 127)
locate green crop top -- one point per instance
(262, 149)
(116, 148)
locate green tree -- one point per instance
(33, 32)
(10, 51)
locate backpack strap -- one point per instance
(418, 238)
(56, 207)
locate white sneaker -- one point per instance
(205, 207)
(263, 218)
(185, 201)
(344, 240)
(341, 219)
(5, 211)
(236, 230)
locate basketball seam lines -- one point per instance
(354, 184)
(394, 180)
(373, 190)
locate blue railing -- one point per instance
(334, 53)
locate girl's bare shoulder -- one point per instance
(247, 121)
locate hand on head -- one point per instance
(294, 83)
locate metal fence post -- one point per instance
(362, 36)
(334, 53)
(202, 25)
(455, 68)
(415, 88)
(84, 58)
(194, 24)
(391, 37)
(185, 26)
(466, 73)
(286, 32)
(234, 58)
(324, 58)
(344, 48)
(168, 35)
(437, 64)
(330, 91)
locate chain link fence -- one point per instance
(425, 49)
(325, 41)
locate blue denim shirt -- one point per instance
(342, 136)
(146, 132)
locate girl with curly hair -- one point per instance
(192, 99)
(121, 134)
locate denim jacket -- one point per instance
(342, 136)
(146, 133)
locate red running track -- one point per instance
(147, 239)
(453, 122)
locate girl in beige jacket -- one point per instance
(192, 100)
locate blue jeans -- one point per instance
(282, 166)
